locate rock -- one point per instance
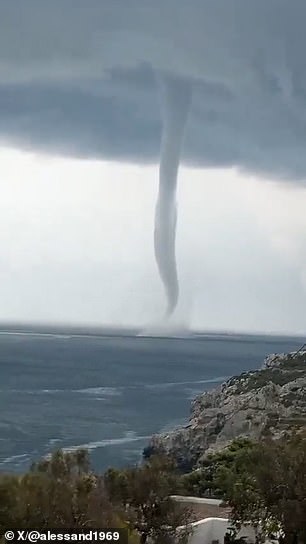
(270, 400)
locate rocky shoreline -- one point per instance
(268, 401)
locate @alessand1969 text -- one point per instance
(66, 535)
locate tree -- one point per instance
(203, 482)
(57, 492)
(266, 486)
(145, 494)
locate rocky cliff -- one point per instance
(254, 404)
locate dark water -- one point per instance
(109, 393)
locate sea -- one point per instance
(109, 390)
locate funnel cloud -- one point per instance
(175, 102)
(78, 81)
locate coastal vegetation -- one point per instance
(265, 485)
(62, 491)
(262, 483)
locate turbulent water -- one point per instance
(109, 393)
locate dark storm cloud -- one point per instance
(110, 119)
(79, 79)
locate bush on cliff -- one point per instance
(204, 481)
(266, 486)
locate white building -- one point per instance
(212, 529)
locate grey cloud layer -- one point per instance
(77, 78)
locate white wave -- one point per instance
(15, 458)
(165, 385)
(106, 391)
(114, 391)
(35, 391)
(109, 391)
(128, 438)
(53, 441)
(49, 391)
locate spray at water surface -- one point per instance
(175, 102)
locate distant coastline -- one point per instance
(73, 330)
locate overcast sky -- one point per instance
(79, 146)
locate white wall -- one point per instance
(209, 529)
(206, 530)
